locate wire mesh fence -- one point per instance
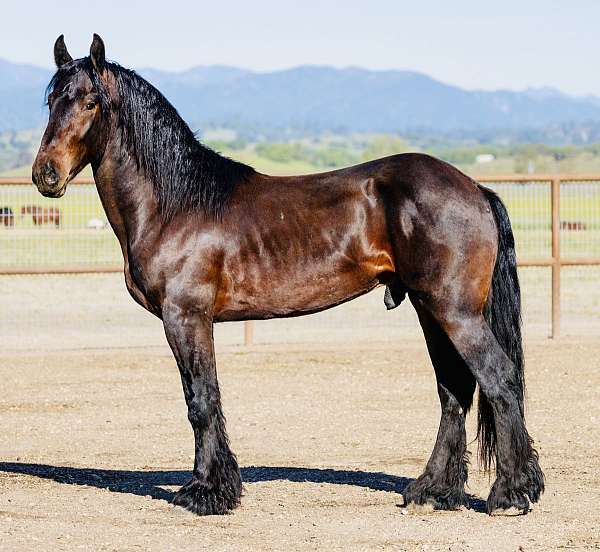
(580, 219)
(39, 234)
(529, 206)
(87, 311)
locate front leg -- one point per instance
(216, 483)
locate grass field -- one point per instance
(73, 243)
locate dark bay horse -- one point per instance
(7, 217)
(42, 215)
(206, 239)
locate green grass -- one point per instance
(267, 166)
(28, 245)
(56, 248)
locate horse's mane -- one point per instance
(186, 175)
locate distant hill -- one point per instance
(21, 95)
(316, 99)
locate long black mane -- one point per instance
(186, 175)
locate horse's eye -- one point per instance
(90, 105)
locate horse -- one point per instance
(573, 225)
(206, 239)
(42, 215)
(7, 217)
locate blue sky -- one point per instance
(511, 44)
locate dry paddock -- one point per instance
(95, 440)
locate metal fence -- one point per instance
(40, 235)
(556, 221)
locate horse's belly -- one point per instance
(306, 291)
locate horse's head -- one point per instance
(77, 125)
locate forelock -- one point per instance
(68, 72)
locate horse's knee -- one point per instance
(199, 412)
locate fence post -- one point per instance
(248, 332)
(556, 264)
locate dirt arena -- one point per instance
(95, 442)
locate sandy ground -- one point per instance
(94, 443)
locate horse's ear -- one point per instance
(97, 54)
(61, 55)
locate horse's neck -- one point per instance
(127, 197)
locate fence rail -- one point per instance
(82, 242)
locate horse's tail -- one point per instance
(503, 314)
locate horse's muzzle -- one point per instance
(46, 179)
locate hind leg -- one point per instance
(518, 474)
(442, 484)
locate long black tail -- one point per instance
(503, 314)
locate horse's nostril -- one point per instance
(49, 174)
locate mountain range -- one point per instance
(318, 98)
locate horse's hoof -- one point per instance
(203, 501)
(420, 509)
(512, 511)
(423, 495)
(504, 501)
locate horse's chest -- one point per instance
(138, 288)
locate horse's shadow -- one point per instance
(151, 483)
